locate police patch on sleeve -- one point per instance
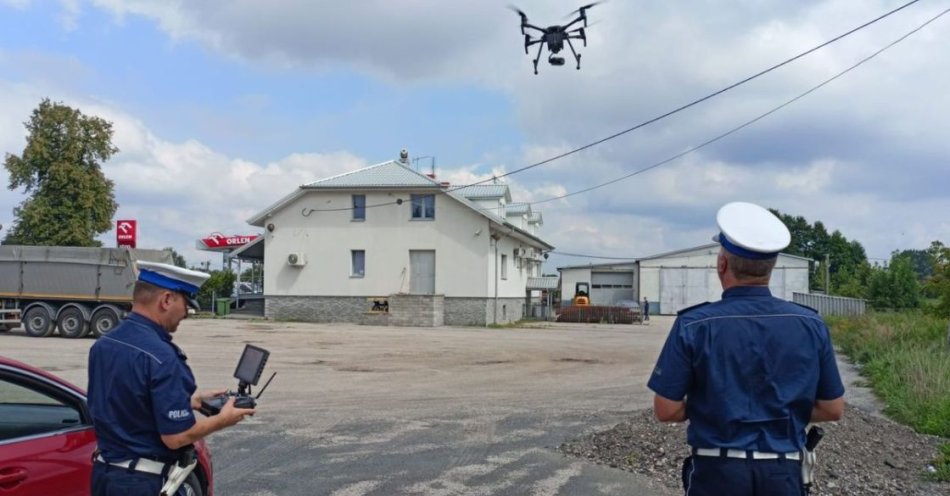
(175, 415)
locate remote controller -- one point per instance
(247, 373)
(212, 406)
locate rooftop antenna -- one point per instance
(431, 164)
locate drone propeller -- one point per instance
(582, 11)
(524, 17)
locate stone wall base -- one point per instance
(404, 310)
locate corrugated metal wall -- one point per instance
(831, 305)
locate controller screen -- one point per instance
(250, 367)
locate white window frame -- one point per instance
(504, 267)
(359, 209)
(353, 272)
(421, 199)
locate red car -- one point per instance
(47, 440)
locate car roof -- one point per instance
(23, 367)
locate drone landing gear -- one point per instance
(577, 56)
(538, 57)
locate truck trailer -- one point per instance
(72, 290)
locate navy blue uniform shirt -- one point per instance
(139, 389)
(750, 367)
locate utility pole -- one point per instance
(827, 275)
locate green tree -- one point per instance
(847, 259)
(938, 286)
(177, 259)
(921, 261)
(219, 285)
(894, 286)
(70, 200)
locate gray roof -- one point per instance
(608, 265)
(484, 192)
(393, 174)
(518, 209)
(390, 174)
(542, 282)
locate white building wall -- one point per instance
(694, 272)
(569, 280)
(458, 235)
(518, 271)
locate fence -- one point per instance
(538, 311)
(831, 305)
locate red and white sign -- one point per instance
(125, 233)
(218, 241)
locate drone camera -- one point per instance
(558, 61)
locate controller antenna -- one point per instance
(259, 393)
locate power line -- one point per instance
(695, 102)
(308, 211)
(750, 122)
(566, 254)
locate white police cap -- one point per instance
(750, 231)
(173, 278)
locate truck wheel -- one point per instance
(104, 319)
(37, 321)
(72, 323)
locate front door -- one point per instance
(422, 271)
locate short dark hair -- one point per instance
(145, 293)
(745, 269)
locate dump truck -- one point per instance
(66, 289)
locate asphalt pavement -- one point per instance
(362, 410)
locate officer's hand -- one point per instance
(203, 395)
(230, 415)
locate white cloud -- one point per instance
(178, 192)
(865, 155)
(69, 14)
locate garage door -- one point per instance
(607, 288)
(684, 287)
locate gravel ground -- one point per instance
(863, 453)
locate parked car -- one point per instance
(47, 439)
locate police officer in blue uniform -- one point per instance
(142, 394)
(749, 372)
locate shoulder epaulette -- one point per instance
(805, 306)
(687, 309)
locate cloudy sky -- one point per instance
(222, 107)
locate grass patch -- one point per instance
(509, 325)
(942, 464)
(905, 359)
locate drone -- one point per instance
(555, 36)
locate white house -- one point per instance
(675, 280)
(395, 239)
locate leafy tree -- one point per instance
(921, 262)
(939, 285)
(177, 259)
(847, 259)
(70, 200)
(894, 286)
(219, 285)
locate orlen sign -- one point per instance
(125, 233)
(218, 241)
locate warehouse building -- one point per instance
(675, 280)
